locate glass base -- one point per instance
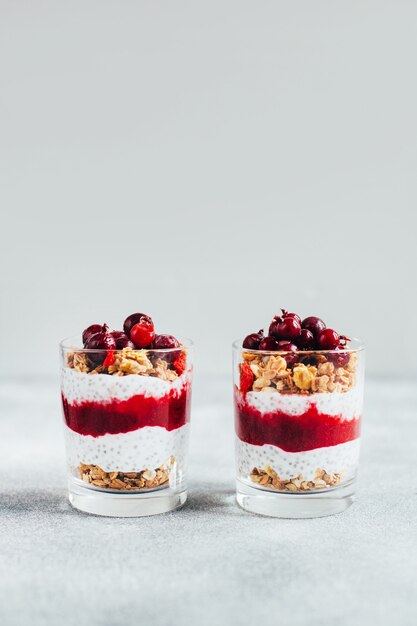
(135, 504)
(294, 505)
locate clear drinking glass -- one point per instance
(298, 421)
(126, 420)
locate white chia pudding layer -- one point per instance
(347, 404)
(341, 459)
(83, 387)
(145, 448)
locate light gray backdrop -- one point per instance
(207, 163)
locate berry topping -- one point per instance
(340, 358)
(251, 342)
(293, 315)
(180, 363)
(93, 330)
(289, 347)
(100, 342)
(268, 344)
(246, 378)
(134, 319)
(165, 342)
(289, 328)
(272, 331)
(328, 339)
(125, 342)
(142, 334)
(306, 339)
(314, 324)
(109, 360)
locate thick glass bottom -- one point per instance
(137, 504)
(294, 505)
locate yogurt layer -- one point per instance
(348, 404)
(342, 459)
(145, 448)
(82, 387)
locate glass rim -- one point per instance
(70, 344)
(358, 346)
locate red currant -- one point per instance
(142, 334)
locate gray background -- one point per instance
(207, 163)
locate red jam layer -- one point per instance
(122, 416)
(293, 433)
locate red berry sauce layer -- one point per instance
(293, 433)
(170, 411)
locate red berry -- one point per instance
(180, 363)
(109, 360)
(289, 329)
(268, 344)
(292, 349)
(142, 334)
(100, 343)
(293, 315)
(133, 319)
(251, 342)
(305, 340)
(314, 324)
(122, 340)
(246, 378)
(93, 330)
(165, 341)
(339, 357)
(272, 332)
(328, 339)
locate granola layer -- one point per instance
(125, 481)
(128, 361)
(313, 373)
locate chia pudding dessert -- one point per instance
(298, 410)
(126, 398)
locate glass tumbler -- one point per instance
(298, 422)
(126, 420)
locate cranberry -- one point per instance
(100, 342)
(134, 319)
(314, 324)
(288, 329)
(122, 340)
(339, 357)
(328, 339)
(287, 346)
(305, 340)
(165, 341)
(272, 331)
(142, 334)
(251, 342)
(268, 344)
(93, 330)
(293, 315)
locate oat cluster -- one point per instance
(272, 374)
(269, 478)
(126, 361)
(146, 479)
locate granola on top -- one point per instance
(269, 374)
(128, 361)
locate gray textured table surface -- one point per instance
(209, 563)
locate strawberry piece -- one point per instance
(180, 363)
(109, 360)
(246, 378)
